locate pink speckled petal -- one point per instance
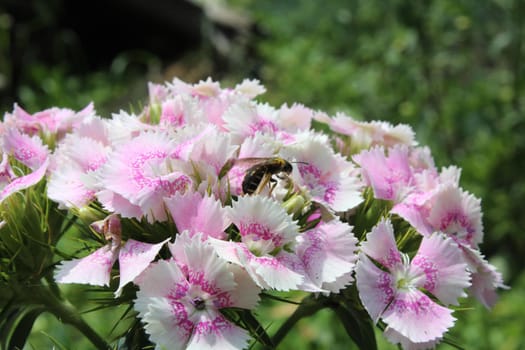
(381, 246)
(389, 175)
(163, 321)
(196, 213)
(27, 149)
(414, 215)
(277, 272)
(327, 251)
(441, 261)
(23, 182)
(216, 332)
(376, 287)
(396, 338)
(485, 277)
(416, 317)
(94, 269)
(135, 257)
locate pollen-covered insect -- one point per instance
(259, 172)
(259, 175)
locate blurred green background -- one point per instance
(452, 69)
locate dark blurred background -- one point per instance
(72, 52)
(452, 69)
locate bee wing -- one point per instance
(251, 161)
(241, 163)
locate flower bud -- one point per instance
(88, 214)
(155, 111)
(294, 204)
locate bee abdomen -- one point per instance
(251, 181)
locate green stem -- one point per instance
(65, 313)
(53, 287)
(309, 306)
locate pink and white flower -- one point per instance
(246, 118)
(328, 253)
(296, 118)
(29, 150)
(456, 213)
(327, 177)
(179, 111)
(52, 121)
(390, 176)
(486, 279)
(72, 182)
(23, 182)
(445, 208)
(212, 151)
(197, 214)
(180, 305)
(139, 174)
(266, 231)
(364, 135)
(396, 295)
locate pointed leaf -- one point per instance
(136, 338)
(358, 325)
(23, 328)
(18, 326)
(58, 345)
(245, 319)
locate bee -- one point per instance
(259, 175)
(260, 172)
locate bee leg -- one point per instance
(264, 181)
(273, 184)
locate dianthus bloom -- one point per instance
(29, 151)
(180, 300)
(139, 174)
(265, 229)
(397, 294)
(50, 122)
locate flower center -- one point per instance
(401, 272)
(402, 283)
(198, 303)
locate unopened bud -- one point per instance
(88, 214)
(294, 204)
(155, 111)
(110, 227)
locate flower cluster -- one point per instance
(254, 200)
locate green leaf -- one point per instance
(453, 343)
(56, 343)
(255, 328)
(136, 338)
(309, 306)
(23, 328)
(358, 326)
(20, 321)
(245, 319)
